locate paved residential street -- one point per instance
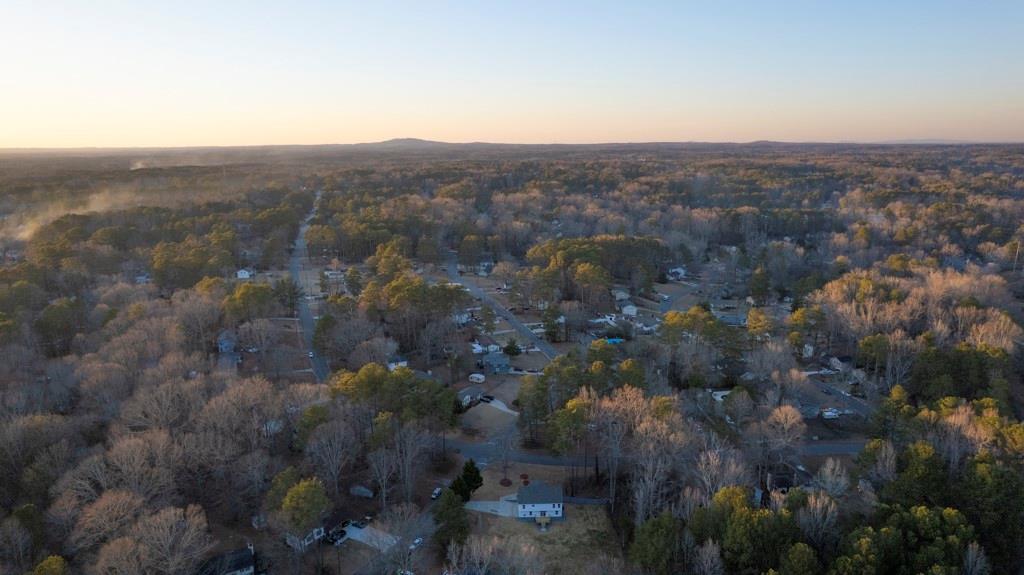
(489, 452)
(528, 336)
(306, 322)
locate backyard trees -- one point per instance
(451, 518)
(304, 504)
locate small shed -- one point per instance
(227, 341)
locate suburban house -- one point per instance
(462, 318)
(677, 274)
(301, 543)
(539, 502)
(469, 394)
(244, 274)
(729, 316)
(237, 562)
(495, 362)
(396, 362)
(620, 295)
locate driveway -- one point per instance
(500, 406)
(373, 537)
(506, 507)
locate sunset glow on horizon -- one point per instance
(119, 74)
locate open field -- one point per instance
(584, 537)
(492, 488)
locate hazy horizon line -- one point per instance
(426, 141)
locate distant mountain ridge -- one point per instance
(423, 145)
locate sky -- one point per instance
(106, 73)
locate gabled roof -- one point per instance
(495, 358)
(539, 492)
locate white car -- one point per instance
(477, 378)
(436, 493)
(830, 413)
(310, 354)
(415, 543)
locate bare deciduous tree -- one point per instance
(410, 443)
(197, 318)
(709, 559)
(107, 518)
(122, 556)
(615, 417)
(146, 464)
(260, 334)
(382, 467)
(330, 449)
(481, 554)
(779, 434)
(655, 449)
(975, 560)
(817, 519)
(15, 544)
(719, 466)
(175, 539)
(376, 350)
(165, 406)
(884, 468)
(832, 478)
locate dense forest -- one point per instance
(160, 404)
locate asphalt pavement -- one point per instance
(527, 335)
(306, 322)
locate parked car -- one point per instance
(436, 493)
(477, 378)
(415, 543)
(310, 354)
(336, 536)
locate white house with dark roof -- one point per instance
(539, 501)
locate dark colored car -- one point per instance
(335, 536)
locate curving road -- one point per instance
(306, 322)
